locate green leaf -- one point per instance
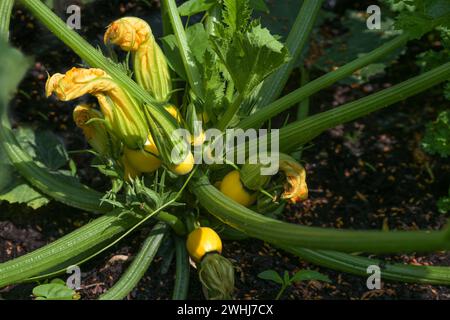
(50, 150)
(306, 275)
(250, 57)
(423, 16)
(44, 146)
(437, 136)
(259, 5)
(271, 275)
(214, 85)
(198, 43)
(191, 7)
(286, 279)
(14, 189)
(22, 193)
(53, 291)
(236, 15)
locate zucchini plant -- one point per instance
(224, 73)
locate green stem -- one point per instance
(180, 290)
(296, 41)
(303, 108)
(6, 7)
(301, 132)
(129, 280)
(279, 232)
(173, 221)
(358, 265)
(318, 84)
(280, 293)
(65, 249)
(190, 65)
(230, 112)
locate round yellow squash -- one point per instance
(233, 188)
(202, 241)
(144, 160)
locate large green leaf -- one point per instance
(249, 57)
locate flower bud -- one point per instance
(94, 131)
(150, 64)
(123, 116)
(217, 277)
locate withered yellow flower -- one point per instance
(296, 188)
(123, 116)
(150, 64)
(94, 131)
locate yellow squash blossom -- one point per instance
(150, 65)
(295, 187)
(95, 132)
(122, 114)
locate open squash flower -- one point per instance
(123, 116)
(150, 65)
(295, 188)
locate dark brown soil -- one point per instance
(368, 174)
